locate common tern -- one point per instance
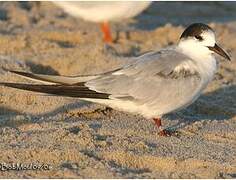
(151, 85)
(103, 12)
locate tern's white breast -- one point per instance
(103, 11)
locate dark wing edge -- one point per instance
(31, 75)
(57, 79)
(76, 91)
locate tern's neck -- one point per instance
(203, 58)
(194, 51)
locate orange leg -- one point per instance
(106, 31)
(163, 132)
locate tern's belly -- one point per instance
(146, 110)
(149, 109)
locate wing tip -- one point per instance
(15, 72)
(59, 90)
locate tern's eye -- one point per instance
(199, 38)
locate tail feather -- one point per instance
(52, 79)
(78, 91)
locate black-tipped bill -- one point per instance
(219, 51)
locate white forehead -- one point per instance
(208, 38)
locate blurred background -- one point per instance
(41, 14)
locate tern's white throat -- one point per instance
(204, 59)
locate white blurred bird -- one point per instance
(152, 85)
(103, 11)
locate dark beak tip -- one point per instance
(220, 52)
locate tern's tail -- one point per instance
(79, 90)
(52, 79)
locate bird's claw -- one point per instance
(168, 133)
(109, 49)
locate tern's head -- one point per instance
(200, 39)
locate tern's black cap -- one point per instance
(195, 30)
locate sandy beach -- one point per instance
(76, 139)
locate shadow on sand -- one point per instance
(8, 116)
(217, 105)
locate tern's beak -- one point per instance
(219, 51)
